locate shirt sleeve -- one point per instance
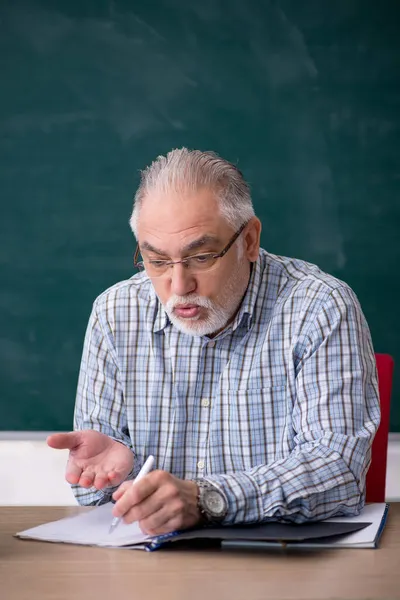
(99, 400)
(335, 417)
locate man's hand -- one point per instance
(160, 502)
(94, 458)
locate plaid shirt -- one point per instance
(278, 411)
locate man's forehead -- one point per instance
(165, 215)
(200, 233)
(186, 248)
(186, 237)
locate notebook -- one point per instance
(365, 537)
(91, 528)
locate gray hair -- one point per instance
(191, 170)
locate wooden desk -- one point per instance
(31, 570)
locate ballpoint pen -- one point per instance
(147, 467)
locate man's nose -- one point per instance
(182, 280)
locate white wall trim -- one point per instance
(24, 436)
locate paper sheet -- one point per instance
(89, 528)
(371, 512)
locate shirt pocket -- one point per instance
(255, 425)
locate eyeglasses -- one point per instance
(198, 263)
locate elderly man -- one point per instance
(250, 377)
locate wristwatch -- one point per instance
(212, 503)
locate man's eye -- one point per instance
(202, 258)
(157, 264)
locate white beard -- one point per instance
(218, 312)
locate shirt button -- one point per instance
(200, 465)
(211, 344)
(205, 402)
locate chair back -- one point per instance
(376, 476)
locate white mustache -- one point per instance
(190, 299)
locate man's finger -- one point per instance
(62, 441)
(116, 477)
(73, 472)
(159, 522)
(140, 490)
(110, 478)
(150, 506)
(121, 490)
(134, 494)
(87, 478)
(101, 481)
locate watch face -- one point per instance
(214, 503)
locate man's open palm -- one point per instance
(94, 458)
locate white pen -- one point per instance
(147, 467)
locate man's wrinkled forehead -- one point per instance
(207, 240)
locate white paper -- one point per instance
(89, 528)
(371, 513)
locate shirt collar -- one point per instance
(161, 319)
(246, 310)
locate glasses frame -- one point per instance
(170, 263)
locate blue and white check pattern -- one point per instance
(278, 411)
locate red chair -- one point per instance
(376, 476)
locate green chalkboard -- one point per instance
(304, 95)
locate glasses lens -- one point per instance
(193, 264)
(156, 268)
(201, 262)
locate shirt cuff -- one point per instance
(242, 494)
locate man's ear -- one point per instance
(252, 235)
